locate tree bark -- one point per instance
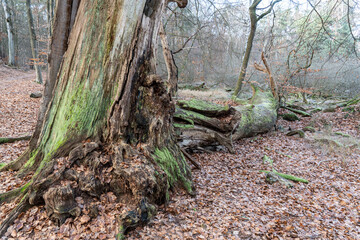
(10, 31)
(249, 44)
(172, 81)
(65, 17)
(50, 5)
(112, 114)
(34, 50)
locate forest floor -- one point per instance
(233, 200)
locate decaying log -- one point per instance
(205, 108)
(200, 123)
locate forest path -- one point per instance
(233, 200)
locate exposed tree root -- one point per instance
(13, 139)
(17, 164)
(134, 176)
(13, 194)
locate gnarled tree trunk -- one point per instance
(109, 112)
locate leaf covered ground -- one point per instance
(233, 200)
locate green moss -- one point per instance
(31, 160)
(183, 126)
(290, 117)
(196, 104)
(353, 101)
(309, 129)
(350, 109)
(175, 172)
(302, 113)
(316, 110)
(10, 195)
(259, 113)
(342, 134)
(287, 176)
(189, 116)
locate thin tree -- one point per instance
(254, 19)
(109, 112)
(34, 50)
(10, 31)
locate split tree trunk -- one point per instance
(34, 50)
(10, 31)
(109, 112)
(204, 124)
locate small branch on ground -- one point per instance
(191, 159)
(13, 139)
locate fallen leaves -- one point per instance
(233, 201)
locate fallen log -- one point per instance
(287, 176)
(300, 112)
(200, 123)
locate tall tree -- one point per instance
(10, 31)
(50, 5)
(254, 19)
(34, 49)
(108, 109)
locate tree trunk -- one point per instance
(249, 44)
(34, 49)
(10, 31)
(112, 114)
(50, 5)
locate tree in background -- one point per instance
(10, 32)
(254, 19)
(34, 50)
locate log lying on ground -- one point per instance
(287, 176)
(13, 139)
(200, 123)
(300, 112)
